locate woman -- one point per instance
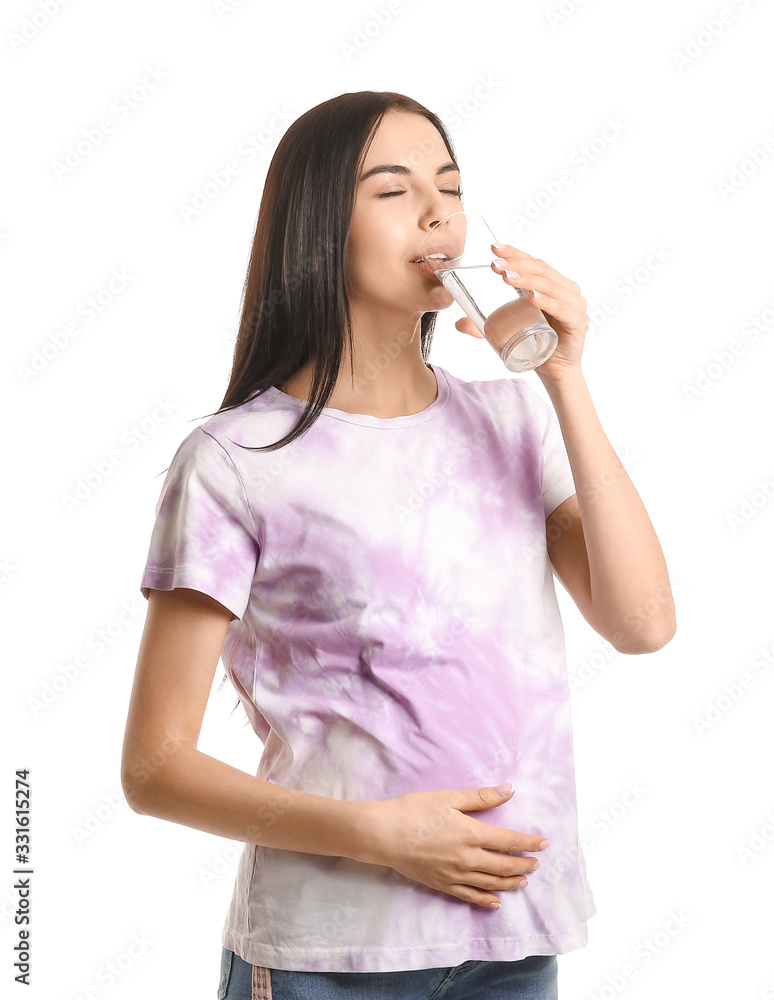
(369, 542)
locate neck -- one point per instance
(391, 378)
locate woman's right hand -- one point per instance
(427, 837)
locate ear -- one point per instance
(466, 325)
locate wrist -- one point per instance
(558, 383)
(366, 827)
(571, 373)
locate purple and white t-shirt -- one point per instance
(396, 630)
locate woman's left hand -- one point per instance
(559, 298)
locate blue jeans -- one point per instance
(532, 978)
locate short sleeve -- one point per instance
(558, 483)
(204, 537)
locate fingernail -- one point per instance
(537, 295)
(544, 844)
(513, 274)
(499, 246)
(499, 262)
(505, 789)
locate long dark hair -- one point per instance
(295, 304)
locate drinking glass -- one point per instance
(457, 250)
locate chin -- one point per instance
(440, 300)
(428, 300)
(436, 297)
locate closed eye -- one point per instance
(390, 194)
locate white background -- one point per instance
(691, 102)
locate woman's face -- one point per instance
(394, 210)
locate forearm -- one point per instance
(628, 577)
(196, 790)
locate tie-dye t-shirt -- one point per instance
(396, 630)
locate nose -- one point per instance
(437, 208)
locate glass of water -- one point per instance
(458, 251)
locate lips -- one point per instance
(446, 249)
(423, 266)
(430, 264)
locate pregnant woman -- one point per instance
(369, 543)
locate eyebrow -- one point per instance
(397, 168)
